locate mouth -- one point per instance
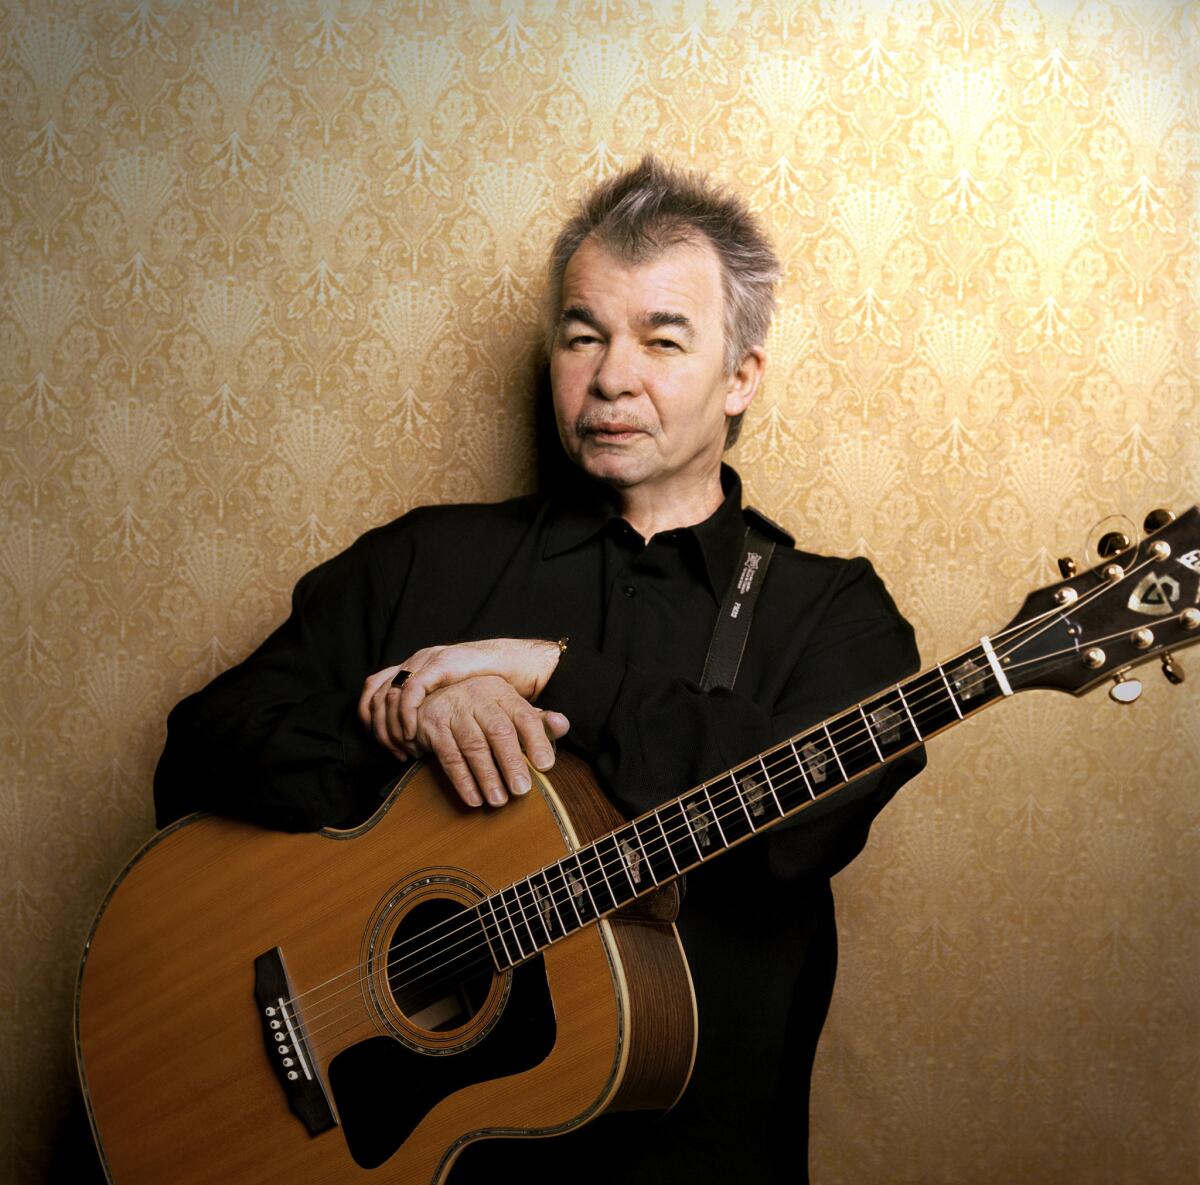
(617, 432)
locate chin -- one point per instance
(620, 472)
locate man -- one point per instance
(475, 635)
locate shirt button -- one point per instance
(629, 590)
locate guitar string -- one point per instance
(589, 860)
(485, 960)
(936, 694)
(682, 833)
(598, 861)
(731, 808)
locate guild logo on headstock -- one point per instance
(1190, 559)
(1154, 595)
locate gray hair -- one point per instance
(646, 210)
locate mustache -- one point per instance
(590, 423)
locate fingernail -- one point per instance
(523, 784)
(497, 797)
(544, 760)
(473, 799)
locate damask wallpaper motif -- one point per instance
(270, 275)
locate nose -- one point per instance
(617, 371)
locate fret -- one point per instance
(586, 887)
(754, 794)
(729, 807)
(604, 873)
(741, 798)
(488, 901)
(714, 814)
(637, 835)
(553, 902)
(949, 691)
(547, 908)
(516, 932)
(611, 862)
(892, 727)
(855, 754)
(697, 810)
(970, 676)
(598, 888)
(687, 823)
(528, 911)
(933, 705)
(904, 701)
(815, 761)
(658, 820)
(486, 935)
(631, 856)
(833, 750)
(867, 725)
(516, 890)
(803, 772)
(562, 873)
(771, 786)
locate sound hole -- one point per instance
(439, 966)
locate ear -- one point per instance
(743, 383)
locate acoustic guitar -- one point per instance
(258, 1007)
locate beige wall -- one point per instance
(269, 276)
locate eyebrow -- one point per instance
(666, 320)
(657, 319)
(579, 312)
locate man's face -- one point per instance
(637, 367)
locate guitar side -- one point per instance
(173, 1052)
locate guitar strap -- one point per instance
(737, 612)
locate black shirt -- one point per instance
(277, 740)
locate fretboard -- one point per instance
(659, 846)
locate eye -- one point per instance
(575, 341)
(666, 343)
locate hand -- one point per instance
(525, 663)
(477, 729)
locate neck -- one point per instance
(650, 510)
(657, 847)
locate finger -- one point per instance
(370, 686)
(473, 745)
(379, 728)
(534, 738)
(502, 736)
(450, 757)
(557, 725)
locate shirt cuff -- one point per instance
(584, 688)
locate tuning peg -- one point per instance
(1157, 519)
(1173, 673)
(1125, 690)
(1066, 566)
(1112, 544)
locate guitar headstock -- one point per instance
(1141, 603)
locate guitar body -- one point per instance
(184, 1084)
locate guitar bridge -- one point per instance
(287, 1046)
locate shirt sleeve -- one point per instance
(276, 740)
(652, 737)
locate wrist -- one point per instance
(549, 653)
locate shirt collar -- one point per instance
(577, 518)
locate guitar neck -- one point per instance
(656, 848)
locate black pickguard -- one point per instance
(383, 1089)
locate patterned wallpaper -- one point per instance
(270, 274)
